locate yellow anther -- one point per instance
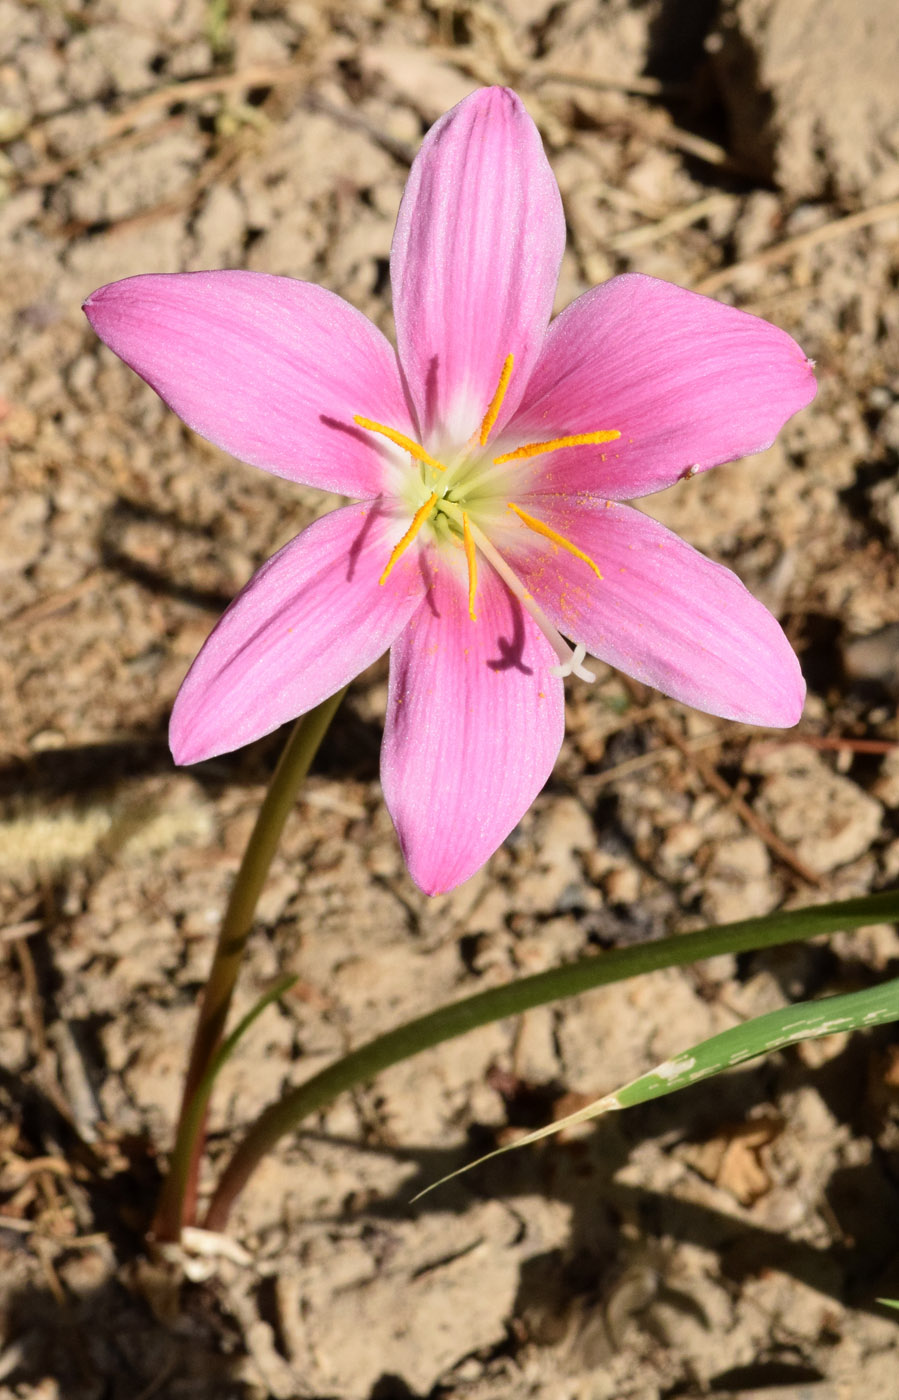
(534, 449)
(471, 559)
(496, 402)
(418, 520)
(408, 444)
(548, 533)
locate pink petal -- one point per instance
(687, 381)
(662, 612)
(271, 369)
(474, 263)
(474, 724)
(312, 617)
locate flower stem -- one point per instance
(177, 1202)
(498, 1002)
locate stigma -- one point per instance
(449, 495)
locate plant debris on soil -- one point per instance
(730, 1242)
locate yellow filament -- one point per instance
(496, 402)
(540, 528)
(408, 444)
(418, 520)
(534, 449)
(471, 559)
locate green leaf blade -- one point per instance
(874, 1006)
(774, 1031)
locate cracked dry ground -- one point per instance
(720, 1243)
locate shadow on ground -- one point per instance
(115, 1337)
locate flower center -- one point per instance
(447, 488)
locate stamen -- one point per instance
(496, 402)
(534, 449)
(570, 661)
(418, 520)
(540, 528)
(408, 444)
(471, 559)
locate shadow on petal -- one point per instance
(512, 648)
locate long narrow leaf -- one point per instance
(773, 1031)
(193, 1111)
(457, 1018)
(227, 1047)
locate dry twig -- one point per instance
(833, 742)
(53, 602)
(666, 754)
(713, 779)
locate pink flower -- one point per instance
(488, 455)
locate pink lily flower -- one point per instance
(489, 456)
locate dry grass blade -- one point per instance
(781, 252)
(672, 223)
(641, 86)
